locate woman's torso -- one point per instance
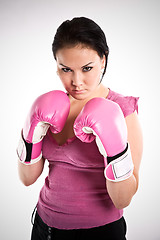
(74, 194)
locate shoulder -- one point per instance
(128, 104)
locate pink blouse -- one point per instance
(74, 194)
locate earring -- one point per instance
(102, 70)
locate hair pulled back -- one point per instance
(81, 30)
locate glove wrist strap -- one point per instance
(120, 167)
(29, 153)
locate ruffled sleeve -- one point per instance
(128, 104)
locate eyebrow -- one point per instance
(81, 67)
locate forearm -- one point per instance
(29, 173)
(122, 192)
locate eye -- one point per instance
(87, 69)
(66, 70)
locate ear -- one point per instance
(103, 62)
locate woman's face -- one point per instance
(80, 70)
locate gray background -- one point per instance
(27, 28)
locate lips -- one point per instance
(79, 91)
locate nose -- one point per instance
(77, 79)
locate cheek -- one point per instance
(62, 76)
(94, 78)
(65, 81)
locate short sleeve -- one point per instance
(128, 104)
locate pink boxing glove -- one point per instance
(49, 110)
(103, 120)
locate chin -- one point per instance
(81, 96)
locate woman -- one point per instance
(85, 131)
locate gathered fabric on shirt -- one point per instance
(74, 194)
